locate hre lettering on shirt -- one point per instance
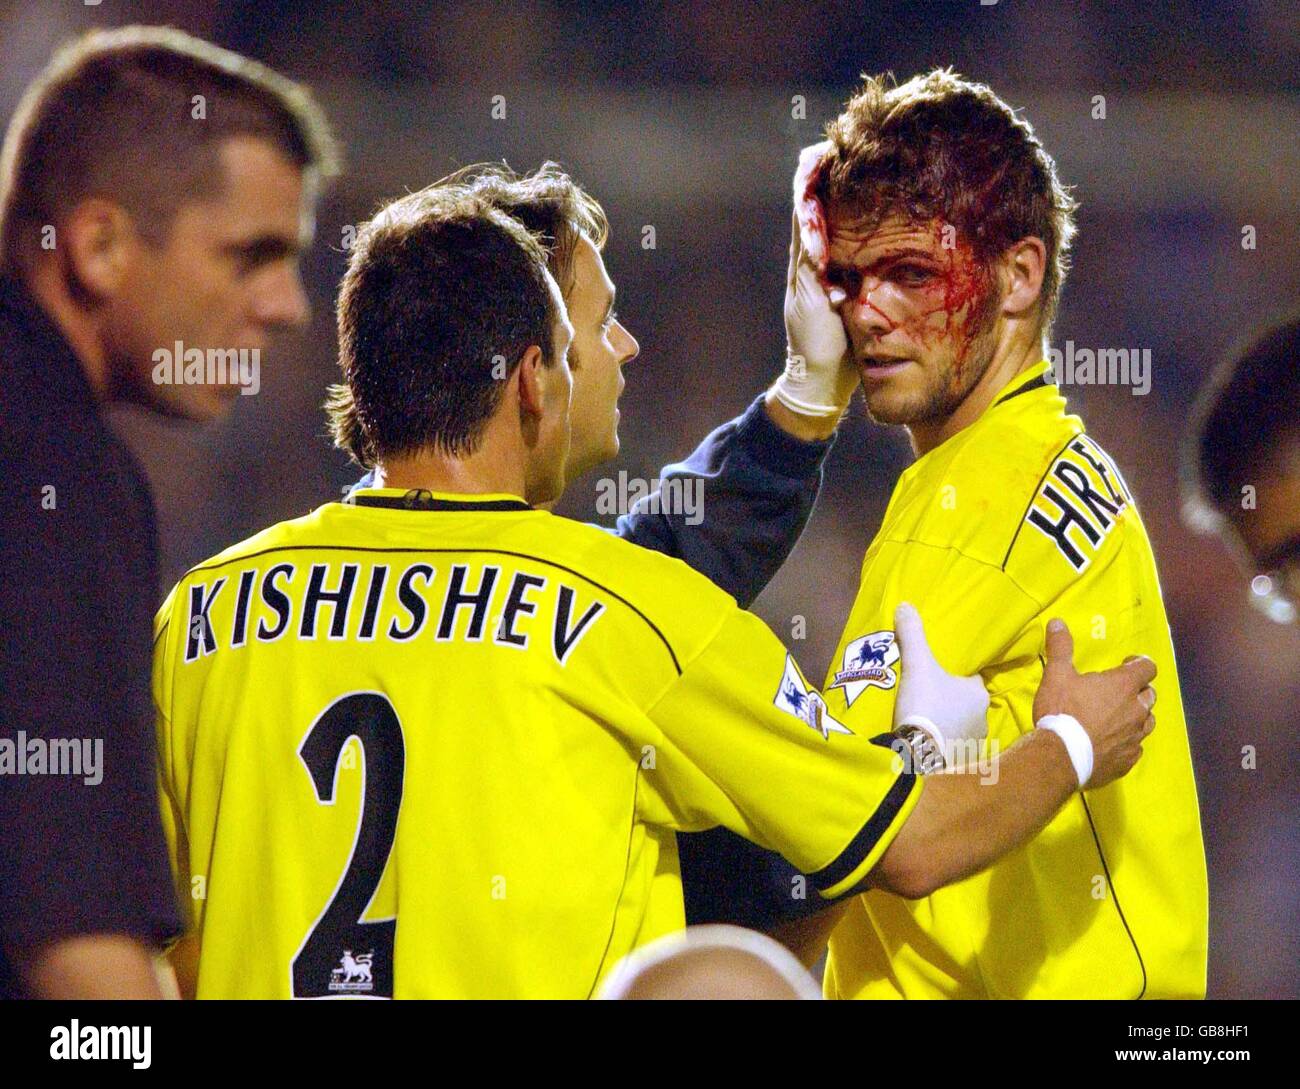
(1079, 501)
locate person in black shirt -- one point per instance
(156, 195)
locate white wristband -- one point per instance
(1077, 743)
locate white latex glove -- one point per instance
(948, 708)
(819, 377)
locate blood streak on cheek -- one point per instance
(964, 288)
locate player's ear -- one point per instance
(97, 243)
(1023, 266)
(530, 377)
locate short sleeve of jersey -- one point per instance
(742, 740)
(974, 614)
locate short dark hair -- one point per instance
(548, 202)
(1249, 406)
(442, 296)
(942, 146)
(113, 114)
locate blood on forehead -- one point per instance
(860, 242)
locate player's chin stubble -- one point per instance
(942, 390)
(935, 400)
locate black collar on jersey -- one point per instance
(420, 499)
(1034, 383)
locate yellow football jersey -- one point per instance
(1016, 519)
(438, 746)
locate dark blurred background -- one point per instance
(679, 116)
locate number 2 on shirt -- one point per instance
(343, 956)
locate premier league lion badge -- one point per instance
(794, 697)
(867, 662)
